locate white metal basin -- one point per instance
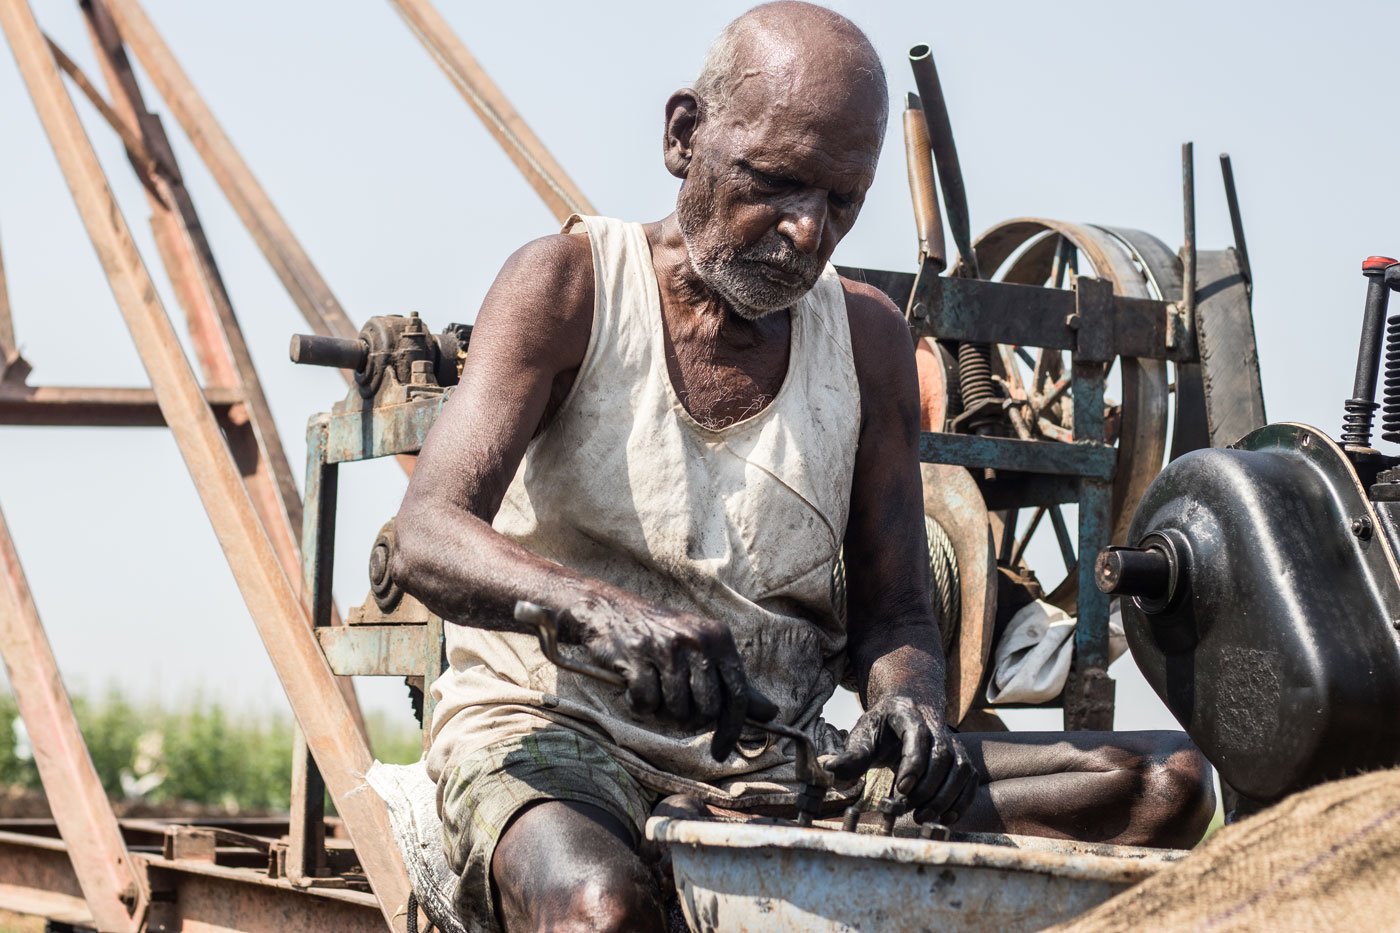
(754, 876)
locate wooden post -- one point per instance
(276, 608)
(545, 175)
(113, 886)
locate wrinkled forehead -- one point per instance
(797, 112)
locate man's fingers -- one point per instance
(675, 691)
(916, 743)
(644, 690)
(951, 789)
(760, 707)
(731, 718)
(964, 802)
(706, 691)
(861, 746)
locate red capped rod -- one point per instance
(1373, 265)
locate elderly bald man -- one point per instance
(668, 432)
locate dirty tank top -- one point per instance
(741, 523)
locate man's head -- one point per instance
(777, 144)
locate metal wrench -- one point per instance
(814, 776)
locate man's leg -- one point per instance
(1127, 788)
(569, 866)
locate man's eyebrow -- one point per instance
(765, 174)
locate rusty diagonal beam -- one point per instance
(214, 327)
(509, 129)
(300, 277)
(113, 887)
(273, 602)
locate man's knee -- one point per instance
(1176, 789)
(566, 866)
(618, 896)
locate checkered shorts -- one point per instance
(489, 787)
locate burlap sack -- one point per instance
(1325, 859)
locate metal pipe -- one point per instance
(1227, 172)
(341, 352)
(945, 153)
(1188, 248)
(918, 158)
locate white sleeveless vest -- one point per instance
(741, 524)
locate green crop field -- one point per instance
(199, 753)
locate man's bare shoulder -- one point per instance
(880, 337)
(548, 279)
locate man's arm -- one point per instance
(529, 339)
(893, 636)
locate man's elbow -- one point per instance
(411, 556)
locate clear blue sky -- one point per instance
(1067, 110)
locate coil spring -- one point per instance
(975, 373)
(1356, 422)
(1390, 410)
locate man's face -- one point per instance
(774, 183)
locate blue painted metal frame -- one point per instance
(1082, 322)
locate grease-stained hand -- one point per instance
(931, 769)
(680, 668)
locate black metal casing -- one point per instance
(1277, 647)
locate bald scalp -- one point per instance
(785, 46)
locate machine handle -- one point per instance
(918, 158)
(339, 352)
(546, 625)
(945, 153)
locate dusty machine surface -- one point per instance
(1262, 594)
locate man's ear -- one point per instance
(682, 120)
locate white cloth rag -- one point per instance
(411, 797)
(1031, 662)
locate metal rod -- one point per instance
(923, 190)
(1232, 199)
(273, 602)
(524, 148)
(113, 887)
(148, 167)
(93, 406)
(303, 282)
(945, 153)
(1188, 248)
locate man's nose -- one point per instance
(803, 223)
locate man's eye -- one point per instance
(841, 201)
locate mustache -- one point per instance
(778, 252)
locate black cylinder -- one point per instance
(1133, 571)
(340, 352)
(1360, 408)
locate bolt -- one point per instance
(850, 819)
(935, 831)
(920, 312)
(1072, 321)
(1361, 527)
(421, 372)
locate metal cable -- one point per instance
(945, 583)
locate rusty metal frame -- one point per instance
(115, 892)
(320, 708)
(546, 176)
